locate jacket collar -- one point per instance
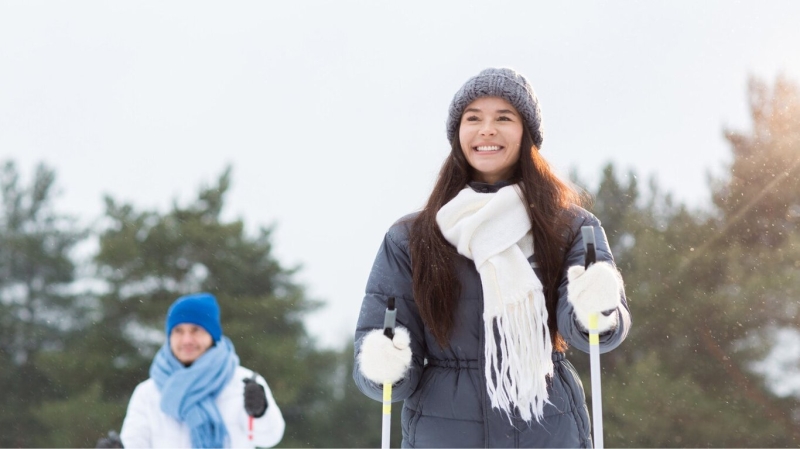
(483, 187)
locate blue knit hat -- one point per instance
(198, 308)
(507, 84)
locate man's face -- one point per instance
(188, 342)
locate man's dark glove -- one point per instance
(255, 398)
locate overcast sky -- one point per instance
(332, 113)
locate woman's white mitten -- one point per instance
(595, 290)
(384, 360)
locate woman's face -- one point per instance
(490, 135)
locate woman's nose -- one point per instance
(488, 129)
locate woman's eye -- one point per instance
(504, 118)
(471, 118)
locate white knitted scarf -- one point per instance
(493, 229)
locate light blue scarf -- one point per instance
(188, 393)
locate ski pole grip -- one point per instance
(589, 245)
(389, 319)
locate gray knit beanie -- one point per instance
(504, 83)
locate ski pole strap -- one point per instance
(389, 319)
(589, 245)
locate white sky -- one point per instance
(332, 113)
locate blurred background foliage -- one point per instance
(712, 360)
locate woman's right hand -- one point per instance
(382, 359)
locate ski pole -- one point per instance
(389, 319)
(594, 344)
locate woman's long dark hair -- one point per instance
(435, 281)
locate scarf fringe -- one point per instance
(517, 375)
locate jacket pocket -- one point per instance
(580, 411)
(409, 419)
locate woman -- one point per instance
(490, 288)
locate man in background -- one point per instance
(198, 395)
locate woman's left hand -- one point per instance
(595, 290)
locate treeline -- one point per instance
(713, 293)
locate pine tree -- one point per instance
(709, 291)
(37, 310)
(760, 199)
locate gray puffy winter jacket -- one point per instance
(446, 403)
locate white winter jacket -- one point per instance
(147, 426)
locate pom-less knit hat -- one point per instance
(504, 83)
(198, 308)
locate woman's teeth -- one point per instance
(488, 148)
